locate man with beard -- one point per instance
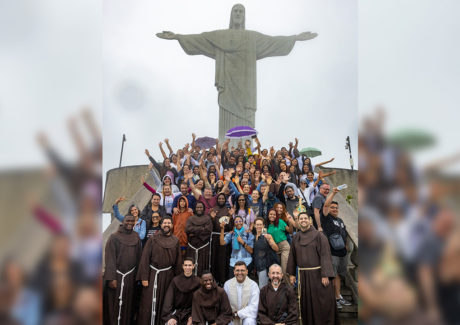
(277, 303)
(190, 198)
(317, 204)
(198, 230)
(161, 259)
(243, 294)
(311, 255)
(210, 303)
(177, 309)
(220, 255)
(122, 254)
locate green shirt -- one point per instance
(278, 233)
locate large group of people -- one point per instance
(230, 235)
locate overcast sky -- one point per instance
(51, 62)
(153, 90)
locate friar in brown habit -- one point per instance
(311, 254)
(161, 260)
(177, 308)
(277, 301)
(220, 255)
(122, 255)
(198, 230)
(210, 303)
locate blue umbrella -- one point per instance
(241, 132)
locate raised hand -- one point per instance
(150, 166)
(147, 152)
(213, 213)
(121, 198)
(269, 180)
(166, 140)
(193, 136)
(142, 179)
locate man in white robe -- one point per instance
(243, 294)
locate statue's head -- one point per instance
(238, 17)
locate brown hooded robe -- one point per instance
(198, 230)
(220, 254)
(310, 249)
(211, 306)
(122, 254)
(161, 252)
(278, 306)
(178, 299)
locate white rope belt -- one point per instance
(154, 296)
(196, 254)
(299, 285)
(210, 246)
(120, 298)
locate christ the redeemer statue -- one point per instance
(236, 51)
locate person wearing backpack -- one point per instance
(336, 232)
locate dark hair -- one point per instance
(134, 206)
(309, 162)
(196, 205)
(277, 219)
(155, 194)
(335, 202)
(207, 272)
(188, 258)
(303, 212)
(221, 194)
(240, 263)
(167, 216)
(246, 204)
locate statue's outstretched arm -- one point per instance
(305, 36)
(167, 35)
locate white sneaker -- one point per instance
(339, 306)
(343, 302)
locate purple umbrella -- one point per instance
(241, 132)
(205, 142)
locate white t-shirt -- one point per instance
(168, 201)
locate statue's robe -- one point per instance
(236, 53)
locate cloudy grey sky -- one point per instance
(153, 90)
(51, 62)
